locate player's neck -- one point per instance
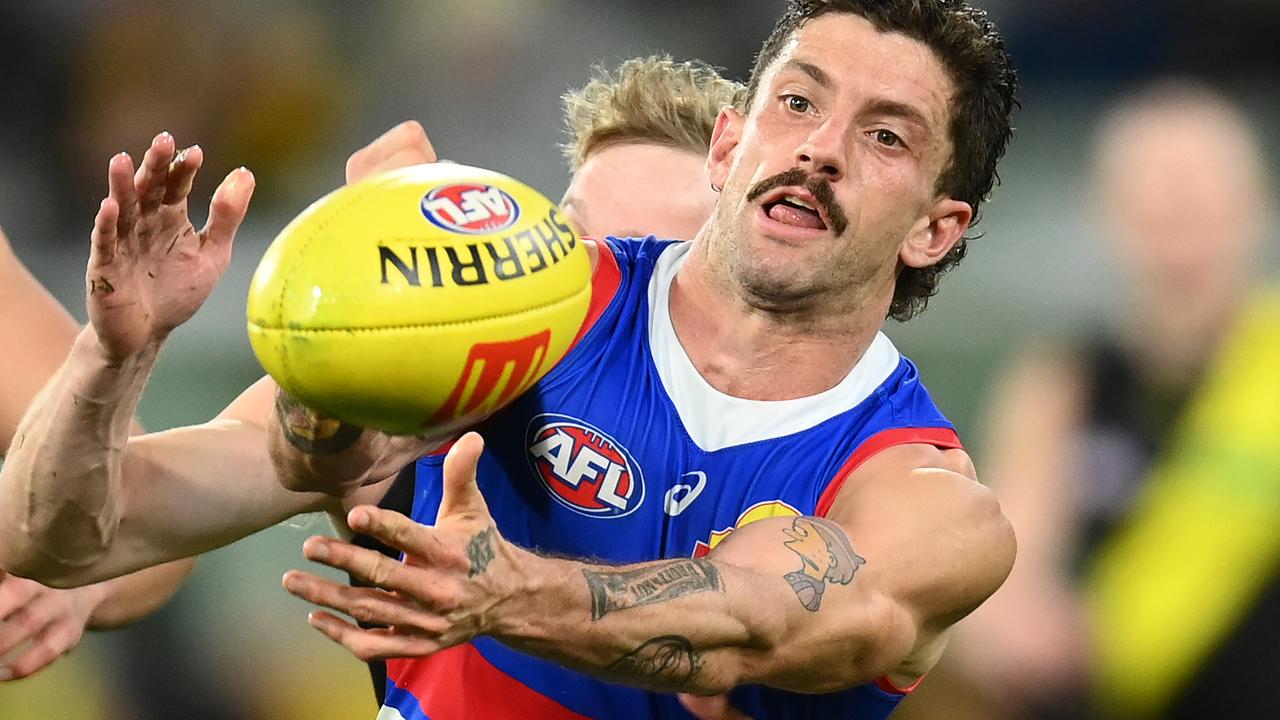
(754, 354)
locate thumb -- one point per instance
(460, 494)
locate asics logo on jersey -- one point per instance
(681, 496)
(582, 468)
(470, 209)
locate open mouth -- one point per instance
(795, 210)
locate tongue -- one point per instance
(792, 215)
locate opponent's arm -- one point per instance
(805, 604)
(53, 620)
(43, 328)
(79, 500)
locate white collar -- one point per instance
(715, 420)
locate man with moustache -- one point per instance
(742, 382)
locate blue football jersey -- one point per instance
(622, 454)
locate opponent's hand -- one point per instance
(149, 269)
(52, 621)
(455, 576)
(402, 146)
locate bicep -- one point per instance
(835, 625)
(939, 540)
(911, 544)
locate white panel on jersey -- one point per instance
(716, 420)
(389, 713)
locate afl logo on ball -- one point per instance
(584, 470)
(470, 209)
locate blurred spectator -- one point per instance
(1141, 467)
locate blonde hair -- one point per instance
(652, 99)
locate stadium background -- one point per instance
(289, 88)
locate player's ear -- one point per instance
(934, 235)
(724, 140)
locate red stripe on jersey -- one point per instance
(604, 285)
(883, 440)
(887, 685)
(443, 449)
(460, 684)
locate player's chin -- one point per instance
(781, 285)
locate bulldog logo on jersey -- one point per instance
(584, 469)
(470, 208)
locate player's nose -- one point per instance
(824, 152)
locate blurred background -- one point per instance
(290, 87)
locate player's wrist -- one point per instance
(87, 599)
(93, 353)
(534, 600)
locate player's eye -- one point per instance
(797, 103)
(888, 138)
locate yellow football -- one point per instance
(419, 299)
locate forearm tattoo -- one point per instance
(825, 555)
(480, 552)
(311, 432)
(665, 663)
(648, 585)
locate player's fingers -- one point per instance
(153, 173)
(102, 242)
(426, 587)
(368, 565)
(15, 592)
(369, 606)
(226, 212)
(460, 495)
(343, 598)
(24, 623)
(406, 135)
(182, 173)
(399, 531)
(371, 644)
(50, 644)
(122, 190)
(403, 145)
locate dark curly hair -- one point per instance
(973, 52)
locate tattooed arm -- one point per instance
(315, 453)
(806, 604)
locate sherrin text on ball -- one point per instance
(419, 300)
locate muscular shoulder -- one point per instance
(924, 506)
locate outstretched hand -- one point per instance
(455, 574)
(149, 268)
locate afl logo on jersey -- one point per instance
(470, 209)
(584, 469)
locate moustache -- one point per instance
(818, 186)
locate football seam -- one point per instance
(419, 326)
(284, 286)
